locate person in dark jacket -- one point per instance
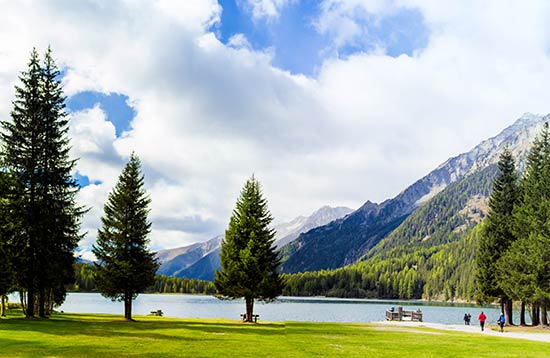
(482, 318)
(501, 321)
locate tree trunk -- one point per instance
(509, 312)
(30, 300)
(249, 309)
(3, 308)
(535, 315)
(41, 303)
(23, 302)
(544, 315)
(49, 302)
(128, 308)
(522, 314)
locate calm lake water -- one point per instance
(284, 309)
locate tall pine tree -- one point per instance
(498, 234)
(58, 194)
(125, 265)
(527, 263)
(249, 261)
(36, 151)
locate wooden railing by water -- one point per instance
(399, 314)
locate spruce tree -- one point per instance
(527, 263)
(21, 149)
(248, 259)
(36, 151)
(498, 234)
(58, 192)
(125, 265)
(8, 227)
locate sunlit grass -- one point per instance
(79, 335)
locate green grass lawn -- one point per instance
(78, 335)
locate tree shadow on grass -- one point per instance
(107, 326)
(17, 348)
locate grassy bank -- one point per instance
(72, 335)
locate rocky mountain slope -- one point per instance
(346, 240)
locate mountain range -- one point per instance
(345, 241)
(434, 216)
(201, 260)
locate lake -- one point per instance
(283, 309)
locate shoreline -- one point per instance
(536, 335)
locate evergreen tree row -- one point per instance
(513, 261)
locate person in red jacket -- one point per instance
(482, 318)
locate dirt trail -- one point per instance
(534, 336)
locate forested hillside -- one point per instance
(430, 255)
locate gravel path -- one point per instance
(534, 336)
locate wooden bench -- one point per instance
(254, 316)
(157, 313)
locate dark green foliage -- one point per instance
(442, 272)
(167, 284)
(248, 260)
(497, 235)
(126, 266)
(84, 282)
(526, 265)
(36, 151)
(528, 269)
(8, 228)
(430, 255)
(84, 278)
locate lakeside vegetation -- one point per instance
(72, 335)
(84, 282)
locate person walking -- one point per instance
(501, 321)
(465, 319)
(482, 318)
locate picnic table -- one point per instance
(157, 313)
(254, 317)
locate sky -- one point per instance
(327, 102)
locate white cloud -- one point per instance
(239, 41)
(210, 115)
(266, 9)
(345, 21)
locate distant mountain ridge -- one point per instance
(175, 261)
(346, 240)
(201, 260)
(301, 224)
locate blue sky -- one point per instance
(115, 105)
(299, 46)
